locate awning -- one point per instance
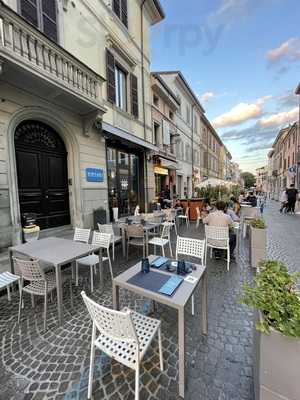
(120, 133)
(168, 164)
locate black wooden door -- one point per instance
(42, 174)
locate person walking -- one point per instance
(292, 196)
(283, 200)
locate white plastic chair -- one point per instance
(82, 235)
(193, 248)
(185, 217)
(7, 279)
(171, 218)
(101, 240)
(123, 335)
(136, 237)
(163, 240)
(137, 211)
(217, 237)
(108, 228)
(41, 284)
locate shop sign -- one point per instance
(94, 175)
(161, 171)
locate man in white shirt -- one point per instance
(220, 218)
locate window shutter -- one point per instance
(134, 95)
(110, 76)
(117, 7)
(28, 9)
(49, 18)
(124, 13)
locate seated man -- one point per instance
(220, 218)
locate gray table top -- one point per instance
(56, 251)
(180, 297)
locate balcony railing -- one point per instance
(25, 46)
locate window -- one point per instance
(121, 88)
(120, 9)
(155, 100)
(117, 88)
(156, 134)
(195, 124)
(171, 115)
(188, 115)
(42, 14)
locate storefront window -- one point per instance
(123, 181)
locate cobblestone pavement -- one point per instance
(54, 364)
(283, 236)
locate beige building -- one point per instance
(211, 155)
(261, 175)
(75, 110)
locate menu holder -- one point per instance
(171, 285)
(159, 262)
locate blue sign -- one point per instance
(94, 175)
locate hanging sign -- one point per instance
(94, 175)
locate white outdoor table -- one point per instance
(177, 301)
(56, 252)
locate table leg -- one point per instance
(181, 351)
(12, 269)
(101, 268)
(59, 293)
(116, 297)
(204, 303)
(123, 241)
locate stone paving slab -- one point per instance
(54, 364)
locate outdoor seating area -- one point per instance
(146, 288)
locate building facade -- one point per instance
(261, 175)
(75, 110)
(211, 151)
(188, 139)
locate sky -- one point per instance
(242, 59)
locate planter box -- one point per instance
(258, 246)
(276, 366)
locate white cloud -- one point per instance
(205, 97)
(287, 51)
(241, 113)
(280, 118)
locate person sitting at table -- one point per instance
(232, 214)
(206, 209)
(234, 205)
(176, 202)
(220, 218)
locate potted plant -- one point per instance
(258, 241)
(276, 302)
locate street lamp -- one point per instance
(298, 135)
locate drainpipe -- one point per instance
(144, 102)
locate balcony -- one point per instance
(31, 61)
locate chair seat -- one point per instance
(145, 328)
(92, 259)
(7, 278)
(137, 241)
(116, 239)
(157, 241)
(182, 216)
(38, 287)
(217, 243)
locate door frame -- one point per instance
(48, 116)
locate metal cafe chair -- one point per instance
(185, 217)
(108, 228)
(123, 335)
(217, 237)
(136, 237)
(101, 240)
(193, 248)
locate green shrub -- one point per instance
(258, 223)
(275, 295)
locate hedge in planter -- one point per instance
(275, 298)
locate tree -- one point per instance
(249, 179)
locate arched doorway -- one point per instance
(41, 160)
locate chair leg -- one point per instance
(45, 311)
(92, 360)
(76, 274)
(32, 301)
(228, 259)
(137, 382)
(127, 250)
(170, 246)
(155, 250)
(71, 294)
(161, 361)
(211, 252)
(193, 305)
(92, 277)
(20, 303)
(163, 250)
(72, 269)
(110, 268)
(8, 293)
(175, 228)
(113, 251)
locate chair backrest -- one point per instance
(106, 228)
(187, 211)
(101, 239)
(30, 269)
(217, 235)
(82, 235)
(135, 230)
(190, 247)
(116, 325)
(166, 231)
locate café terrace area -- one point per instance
(205, 356)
